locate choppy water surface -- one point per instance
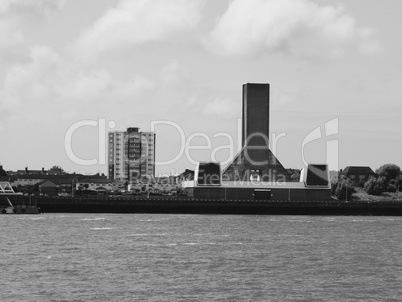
(105, 257)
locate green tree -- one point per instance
(376, 186)
(392, 186)
(57, 170)
(343, 189)
(389, 171)
(399, 181)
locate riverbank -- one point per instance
(360, 194)
(185, 205)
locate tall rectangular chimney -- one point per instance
(255, 114)
(255, 159)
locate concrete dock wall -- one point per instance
(209, 206)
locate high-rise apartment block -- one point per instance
(131, 155)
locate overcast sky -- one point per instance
(137, 61)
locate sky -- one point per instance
(70, 71)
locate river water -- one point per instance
(148, 257)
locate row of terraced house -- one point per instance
(48, 182)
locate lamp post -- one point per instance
(72, 188)
(346, 186)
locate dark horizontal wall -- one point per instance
(301, 194)
(194, 206)
(222, 193)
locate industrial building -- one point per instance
(255, 173)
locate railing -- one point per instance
(6, 188)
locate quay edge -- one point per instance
(209, 206)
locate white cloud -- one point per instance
(222, 108)
(174, 74)
(298, 28)
(87, 86)
(51, 81)
(133, 87)
(10, 34)
(30, 6)
(137, 22)
(281, 98)
(14, 16)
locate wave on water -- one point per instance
(121, 259)
(149, 220)
(363, 220)
(146, 234)
(93, 219)
(32, 218)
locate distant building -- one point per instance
(131, 155)
(294, 174)
(28, 171)
(255, 161)
(357, 174)
(27, 179)
(255, 173)
(54, 184)
(2, 171)
(186, 175)
(96, 184)
(166, 184)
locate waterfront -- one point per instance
(185, 205)
(137, 257)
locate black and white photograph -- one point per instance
(200, 150)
